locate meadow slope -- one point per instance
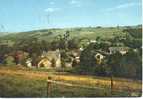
(24, 82)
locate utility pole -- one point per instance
(48, 19)
(2, 29)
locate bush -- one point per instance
(128, 65)
(9, 60)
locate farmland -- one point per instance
(83, 32)
(21, 53)
(24, 82)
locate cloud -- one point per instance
(51, 9)
(52, 3)
(121, 6)
(75, 3)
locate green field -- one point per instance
(24, 82)
(84, 32)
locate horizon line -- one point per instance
(70, 27)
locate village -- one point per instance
(52, 59)
(65, 62)
(67, 52)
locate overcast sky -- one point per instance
(25, 15)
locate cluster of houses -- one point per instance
(50, 59)
(53, 58)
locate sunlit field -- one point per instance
(24, 82)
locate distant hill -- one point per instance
(80, 32)
(3, 33)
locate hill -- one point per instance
(49, 34)
(79, 32)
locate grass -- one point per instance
(24, 82)
(84, 32)
(15, 86)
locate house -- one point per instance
(93, 41)
(50, 59)
(75, 56)
(29, 62)
(81, 49)
(99, 58)
(122, 50)
(45, 63)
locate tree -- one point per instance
(114, 63)
(73, 43)
(44, 45)
(62, 40)
(98, 39)
(136, 33)
(135, 60)
(87, 56)
(88, 64)
(128, 65)
(30, 45)
(133, 38)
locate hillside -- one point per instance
(78, 32)
(49, 34)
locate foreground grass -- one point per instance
(24, 82)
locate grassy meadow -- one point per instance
(18, 81)
(84, 32)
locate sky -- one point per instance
(27, 15)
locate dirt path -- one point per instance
(87, 80)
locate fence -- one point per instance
(50, 82)
(111, 90)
